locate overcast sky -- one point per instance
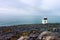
(12, 11)
(29, 7)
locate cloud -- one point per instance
(29, 7)
(13, 10)
(50, 3)
(7, 10)
(16, 11)
(28, 2)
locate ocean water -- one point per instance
(27, 19)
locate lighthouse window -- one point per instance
(45, 18)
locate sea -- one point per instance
(27, 19)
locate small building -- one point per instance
(44, 20)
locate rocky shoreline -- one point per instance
(14, 32)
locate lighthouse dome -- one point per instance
(45, 18)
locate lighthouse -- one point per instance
(44, 20)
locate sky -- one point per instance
(29, 7)
(22, 11)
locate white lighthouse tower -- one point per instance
(44, 20)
